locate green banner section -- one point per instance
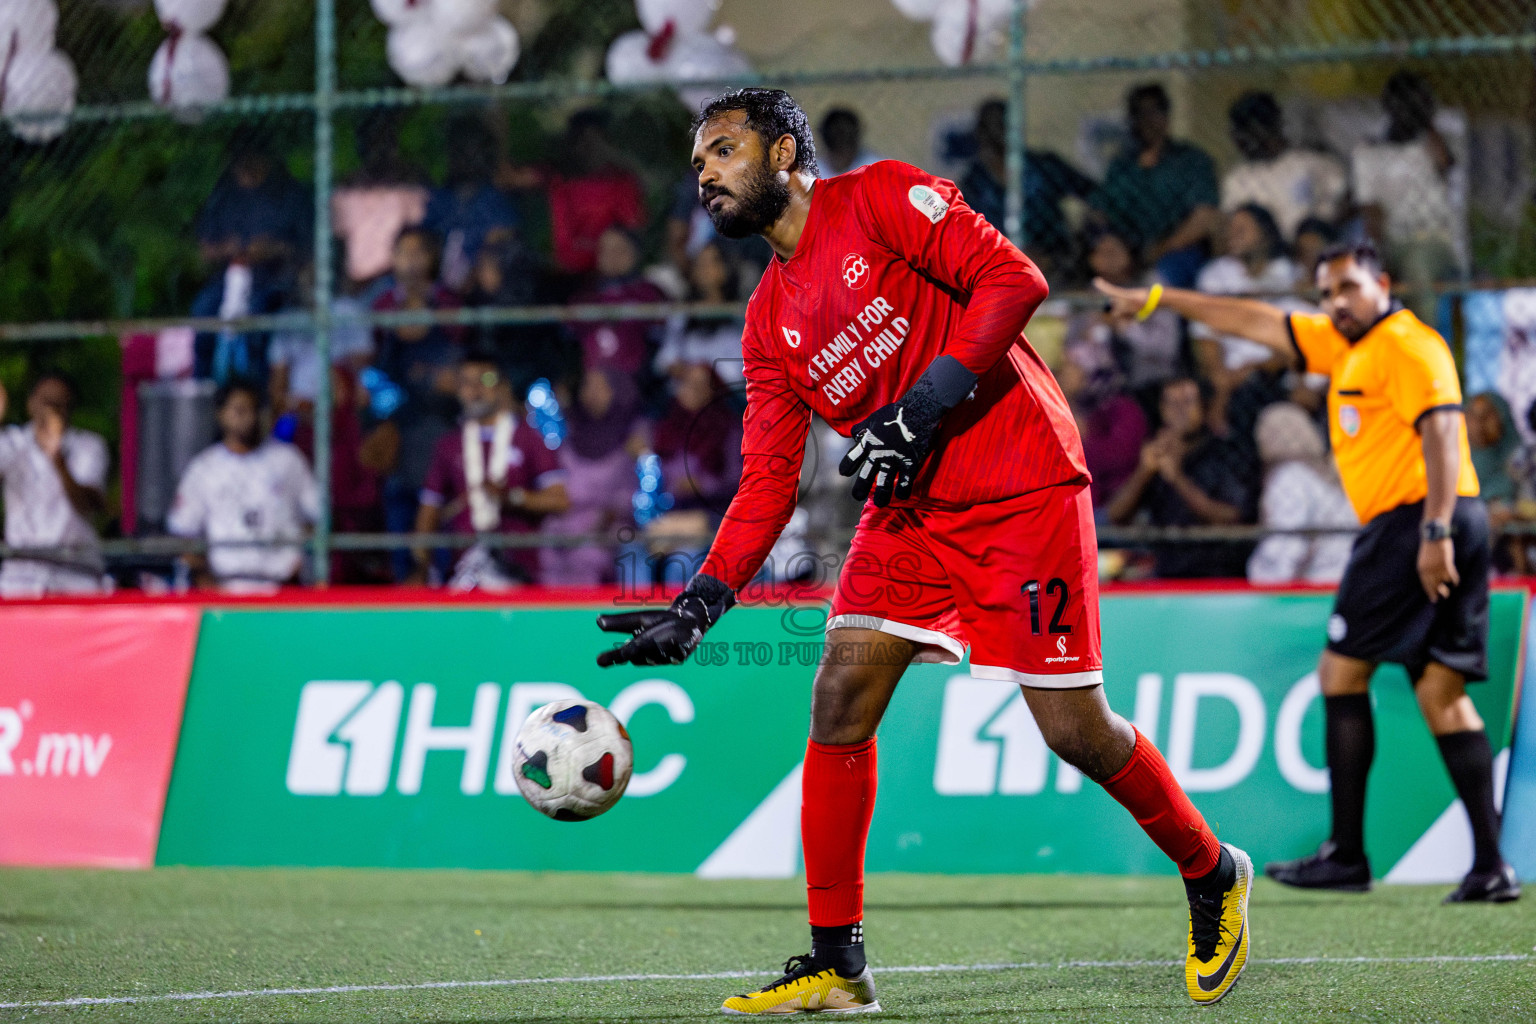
(382, 738)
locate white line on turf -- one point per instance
(596, 979)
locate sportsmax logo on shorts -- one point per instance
(347, 736)
(54, 754)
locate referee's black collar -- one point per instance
(1393, 308)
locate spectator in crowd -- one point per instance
(54, 478)
(1495, 447)
(698, 440)
(1147, 352)
(419, 364)
(1313, 237)
(507, 274)
(1188, 476)
(251, 497)
(1293, 184)
(1401, 185)
(1301, 492)
(593, 190)
(493, 475)
(385, 195)
(1048, 181)
(294, 387)
(840, 143)
(1160, 191)
(468, 211)
(621, 344)
(294, 361)
(1111, 423)
(257, 217)
(713, 341)
(606, 435)
(1255, 264)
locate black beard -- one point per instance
(762, 200)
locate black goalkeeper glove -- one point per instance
(668, 636)
(890, 444)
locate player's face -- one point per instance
(739, 187)
(1352, 296)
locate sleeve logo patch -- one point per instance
(927, 202)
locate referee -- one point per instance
(1416, 588)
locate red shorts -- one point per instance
(1017, 581)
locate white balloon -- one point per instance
(628, 62)
(689, 58)
(688, 17)
(40, 82)
(461, 17)
(189, 71)
(963, 35)
(490, 54)
(421, 55)
(918, 10)
(397, 12)
(31, 23)
(192, 17)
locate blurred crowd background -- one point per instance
(534, 332)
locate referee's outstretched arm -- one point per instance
(1246, 318)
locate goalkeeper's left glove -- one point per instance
(889, 444)
(666, 636)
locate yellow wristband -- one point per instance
(1154, 296)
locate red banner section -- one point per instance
(90, 708)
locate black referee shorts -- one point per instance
(1381, 613)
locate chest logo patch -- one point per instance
(927, 202)
(791, 338)
(855, 271)
(1349, 420)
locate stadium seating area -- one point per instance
(628, 427)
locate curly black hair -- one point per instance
(772, 114)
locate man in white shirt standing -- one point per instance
(251, 497)
(54, 475)
(1293, 184)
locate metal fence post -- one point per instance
(1013, 215)
(325, 99)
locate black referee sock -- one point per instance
(1351, 746)
(840, 948)
(1469, 759)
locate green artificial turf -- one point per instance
(67, 934)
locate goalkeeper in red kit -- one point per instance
(896, 312)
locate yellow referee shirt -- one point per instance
(1381, 386)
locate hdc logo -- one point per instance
(989, 742)
(57, 753)
(347, 733)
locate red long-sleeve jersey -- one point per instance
(892, 270)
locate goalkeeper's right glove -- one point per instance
(668, 636)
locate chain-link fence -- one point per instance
(153, 252)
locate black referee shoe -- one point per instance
(1322, 870)
(1499, 886)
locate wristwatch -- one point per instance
(1434, 530)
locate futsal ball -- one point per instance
(573, 760)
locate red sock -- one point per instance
(1147, 789)
(837, 798)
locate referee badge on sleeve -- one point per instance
(1349, 420)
